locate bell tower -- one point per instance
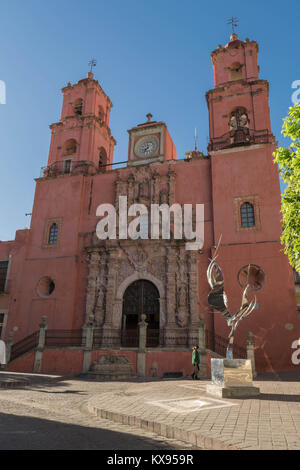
(246, 201)
(245, 181)
(238, 105)
(82, 136)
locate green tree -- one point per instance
(288, 160)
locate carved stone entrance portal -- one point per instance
(157, 277)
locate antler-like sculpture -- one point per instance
(217, 299)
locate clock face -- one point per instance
(146, 146)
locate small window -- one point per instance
(70, 147)
(102, 159)
(78, 107)
(247, 215)
(67, 166)
(2, 318)
(100, 113)
(3, 274)
(53, 234)
(236, 71)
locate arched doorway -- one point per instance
(140, 297)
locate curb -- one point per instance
(165, 430)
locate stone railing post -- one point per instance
(202, 349)
(9, 344)
(142, 333)
(41, 344)
(250, 352)
(87, 354)
(141, 355)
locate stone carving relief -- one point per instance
(115, 264)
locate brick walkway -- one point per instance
(181, 410)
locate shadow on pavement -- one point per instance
(285, 376)
(29, 433)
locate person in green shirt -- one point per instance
(195, 362)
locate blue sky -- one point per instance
(152, 56)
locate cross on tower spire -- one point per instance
(234, 21)
(92, 63)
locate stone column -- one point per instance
(88, 344)
(92, 283)
(170, 326)
(40, 348)
(9, 344)
(110, 322)
(193, 296)
(141, 355)
(250, 352)
(202, 349)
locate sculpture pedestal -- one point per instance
(232, 378)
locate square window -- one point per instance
(3, 274)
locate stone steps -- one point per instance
(97, 375)
(111, 366)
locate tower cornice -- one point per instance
(244, 83)
(234, 44)
(85, 82)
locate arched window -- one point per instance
(53, 234)
(236, 71)
(247, 215)
(100, 113)
(70, 147)
(239, 120)
(78, 107)
(239, 126)
(102, 159)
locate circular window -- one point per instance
(253, 275)
(45, 286)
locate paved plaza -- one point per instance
(152, 414)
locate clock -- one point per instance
(146, 146)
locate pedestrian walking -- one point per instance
(195, 362)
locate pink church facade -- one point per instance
(60, 269)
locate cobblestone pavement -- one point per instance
(179, 411)
(47, 414)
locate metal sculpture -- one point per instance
(217, 299)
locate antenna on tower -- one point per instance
(234, 21)
(195, 139)
(92, 63)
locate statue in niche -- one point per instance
(239, 126)
(163, 197)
